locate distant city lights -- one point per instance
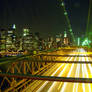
(86, 42)
(14, 26)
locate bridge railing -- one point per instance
(20, 65)
(18, 70)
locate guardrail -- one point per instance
(19, 67)
(42, 58)
(48, 78)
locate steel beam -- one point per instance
(80, 62)
(48, 78)
(90, 55)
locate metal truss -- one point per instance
(48, 78)
(20, 65)
(18, 72)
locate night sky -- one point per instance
(44, 16)
(78, 14)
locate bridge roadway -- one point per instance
(59, 69)
(65, 70)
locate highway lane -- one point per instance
(53, 71)
(56, 85)
(81, 71)
(66, 70)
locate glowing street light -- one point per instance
(65, 13)
(14, 26)
(85, 42)
(78, 41)
(65, 34)
(70, 30)
(62, 4)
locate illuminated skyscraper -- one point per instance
(10, 39)
(66, 39)
(27, 39)
(3, 40)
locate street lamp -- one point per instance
(65, 13)
(70, 30)
(62, 4)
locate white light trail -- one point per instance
(83, 75)
(89, 65)
(64, 85)
(83, 85)
(39, 90)
(59, 75)
(76, 75)
(85, 69)
(63, 88)
(85, 72)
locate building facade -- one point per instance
(3, 39)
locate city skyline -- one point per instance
(45, 16)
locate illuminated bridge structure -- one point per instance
(89, 23)
(16, 73)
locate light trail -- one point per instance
(63, 88)
(39, 90)
(89, 65)
(59, 76)
(85, 69)
(85, 72)
(76, 75)
(83, 75)
(64, 85)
